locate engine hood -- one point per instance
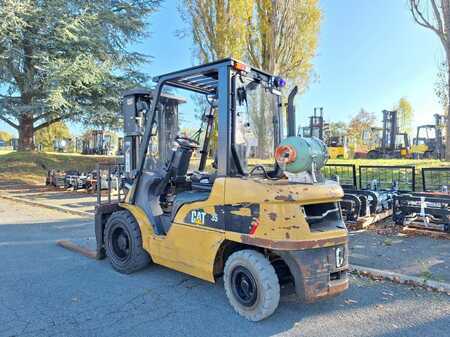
(258, 190)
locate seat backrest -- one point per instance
(176, 169)
(180, 162)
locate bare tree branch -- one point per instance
(52, 121)
(441, 27)
(7, 121)
(437, 16)
(421, 20)
(41, 116)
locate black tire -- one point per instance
(123, 243)
(373, 154)
(399, 219)
(251, 285)
(428, 155)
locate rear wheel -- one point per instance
(428, 155)
(373, 154)
(251, 285)
(123, 243)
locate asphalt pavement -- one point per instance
(46, 290)
(56, 197)
(419, 256)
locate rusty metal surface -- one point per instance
(293, 245)
(335, 288)
(78, 249)
(312, 270)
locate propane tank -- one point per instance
(298, 154)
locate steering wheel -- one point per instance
(186, 142)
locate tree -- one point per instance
(338, 129)
(405, 115)
(282, 38)
(218, 29)
(46, 136)
(217, 26)
(435, 16)
(441, 86)
(362, 122)
(67, 59)
(279, 37)
(5, 136)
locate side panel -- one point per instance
(193, 240)
(188, 247)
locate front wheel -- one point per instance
(251, 285)
(123, 243)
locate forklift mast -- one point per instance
(135, 105)
(390, 130)
(316, 123)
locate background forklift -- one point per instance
(336, 144)
(393, 143)
(429, 142)
(100, 142)
(371, 139)
(235, 215)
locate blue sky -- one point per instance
(371, 53)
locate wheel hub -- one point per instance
(121, 243)
(244, 286)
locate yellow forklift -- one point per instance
(257, 213)
(429, 142)
(337, 144)
(394, 144)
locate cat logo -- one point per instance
(198, 217)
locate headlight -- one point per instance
(340, 256)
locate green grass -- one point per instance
(392, 162)
(31, 167)
(5, 151)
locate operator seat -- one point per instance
(176, 170)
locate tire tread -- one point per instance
(140, 257)
(266, 278)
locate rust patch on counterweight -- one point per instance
(293, 245)
(288, 197)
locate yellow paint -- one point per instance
(192, 248)
(281, 216)
(188, 248)
(420, 148)
(337, 152)
(144, 224)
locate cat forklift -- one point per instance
(259, 219)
